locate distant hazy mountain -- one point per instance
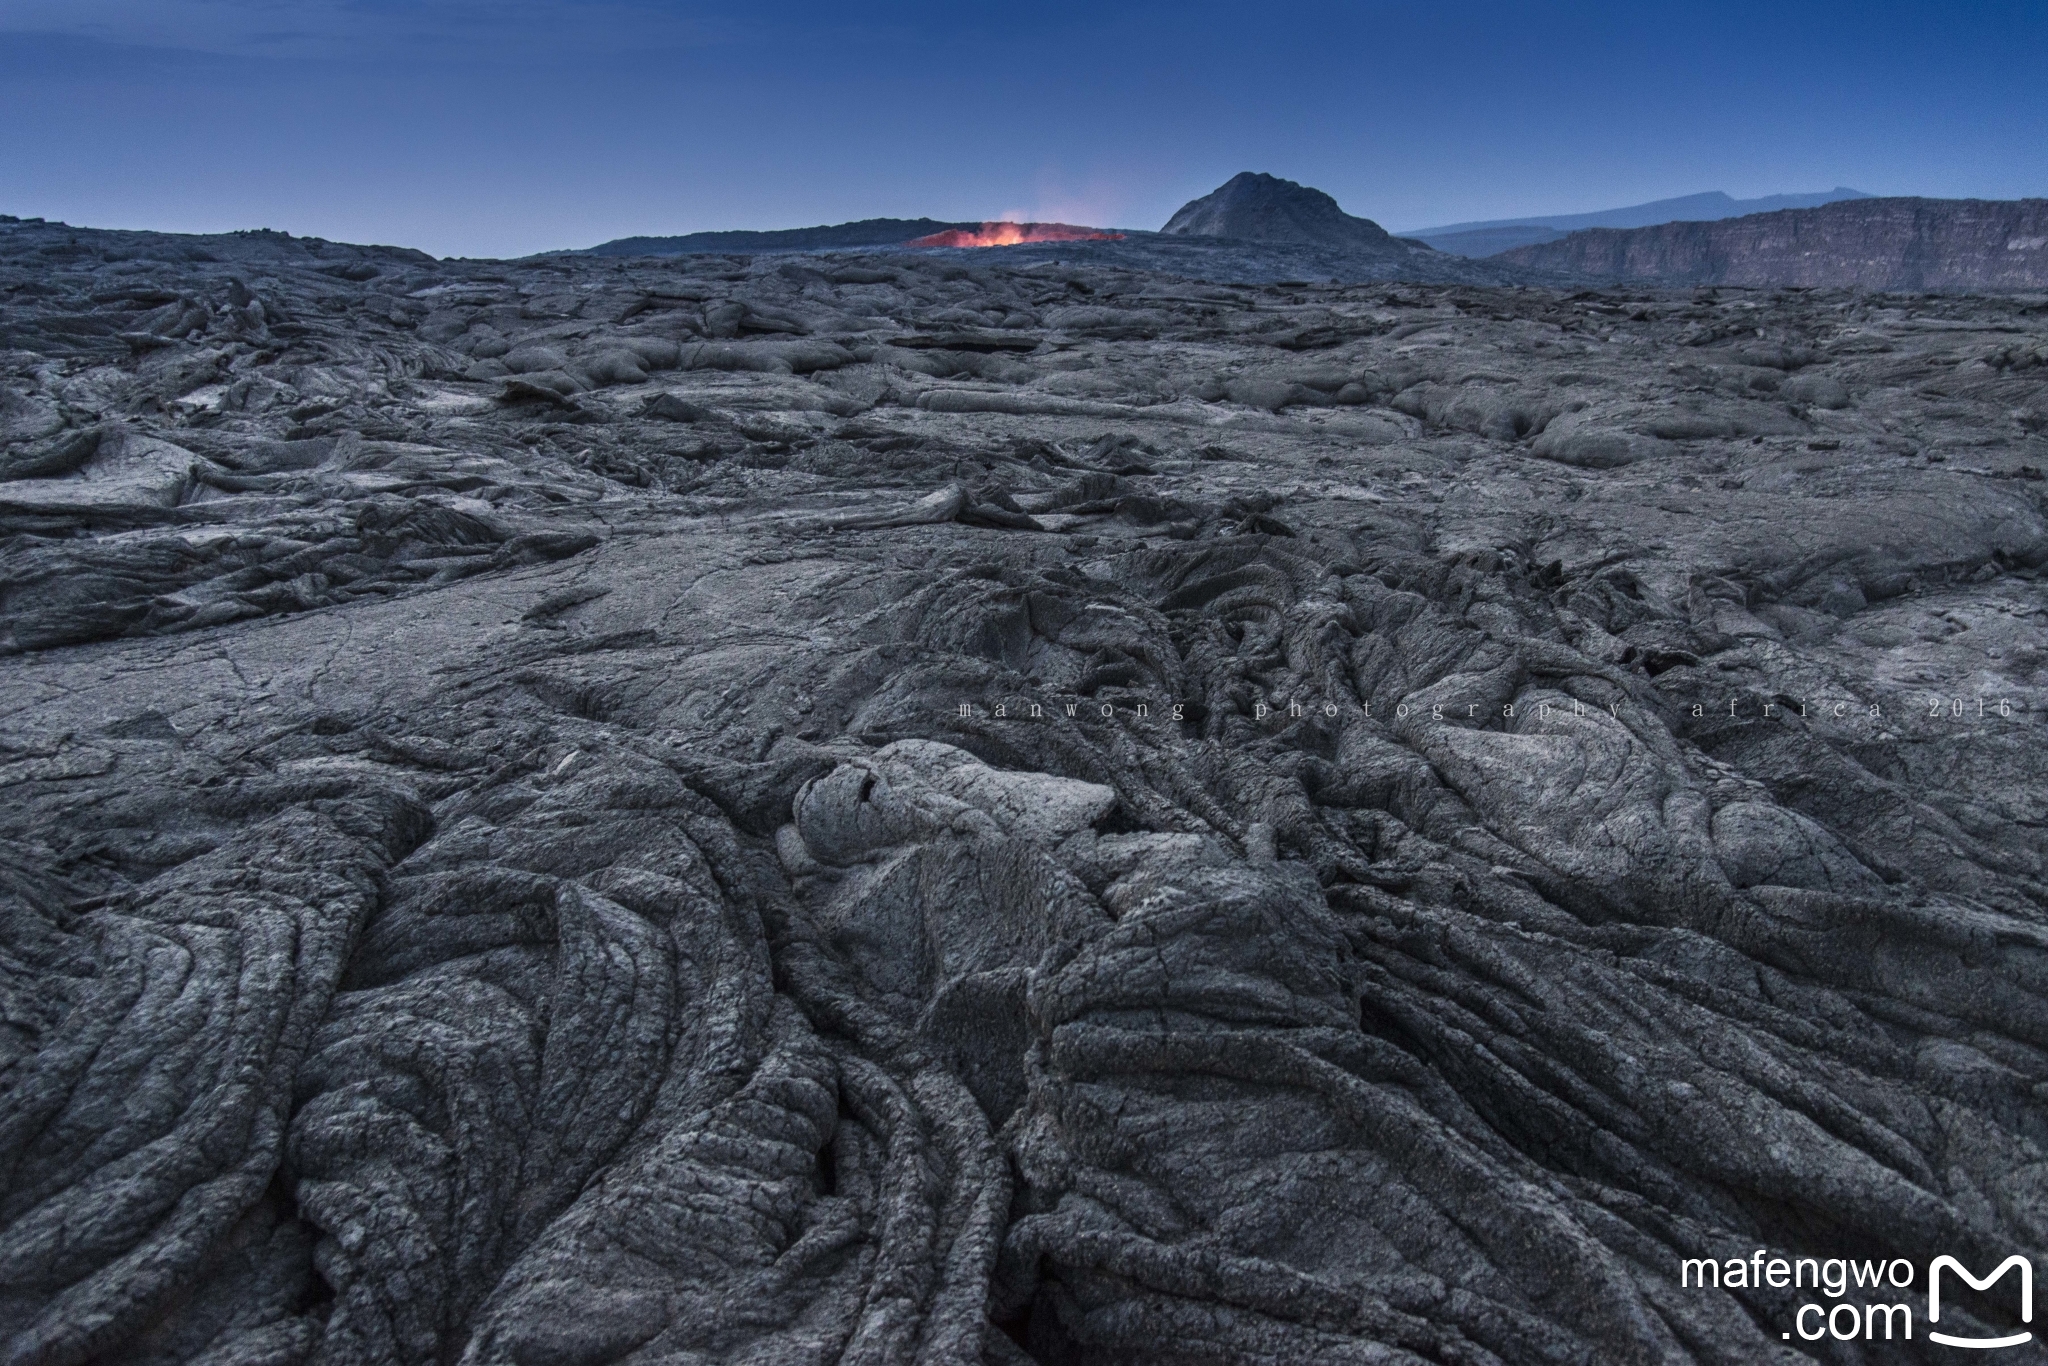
(1253, 207)
(1902, 244)
(1497, 235)
(868, 232)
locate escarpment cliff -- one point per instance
(1891, 244)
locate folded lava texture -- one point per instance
(950, 808)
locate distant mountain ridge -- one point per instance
(1254, 227)
(867, 232)
(1492, 236)
(1891, 244)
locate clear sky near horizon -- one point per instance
(501, 127)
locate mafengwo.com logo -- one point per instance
(1879, 1301)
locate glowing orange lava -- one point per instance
(1014, 234)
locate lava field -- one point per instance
(995, 806)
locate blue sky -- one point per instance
(493, 127)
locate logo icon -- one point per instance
(2026, 1299)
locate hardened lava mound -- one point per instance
(961, 807)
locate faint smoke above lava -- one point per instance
(1014, 234)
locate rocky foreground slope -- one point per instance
(944, 809)
(1895, 244)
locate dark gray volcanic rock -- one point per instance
(970, 808)
(1896, 244)
(1255, 207)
